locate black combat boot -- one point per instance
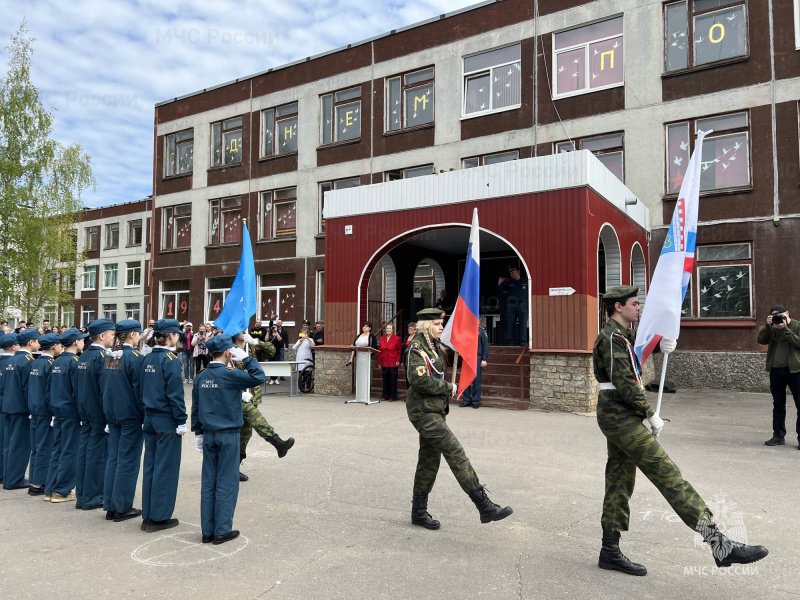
(242, 476)
(282, 446)
(727, 552)
(419, 513)
(489, 510)
(612, 559)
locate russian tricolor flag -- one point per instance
(461, 331)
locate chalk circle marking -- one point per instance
(161, 552)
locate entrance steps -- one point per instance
(500, 382)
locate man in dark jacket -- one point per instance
(782, 337)
(472, 395)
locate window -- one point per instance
(135, 232)
(110, 276)
(717, 30)
(608, 148)
(489, 159)
(278, 301)
(110, 312)
(723, 280)
(279, 126)
(225, 221)
(589, 58)
(93, 238)
(408, 173)
(216, 292)
(726, 152)
(177, 226)
(327, 186)
(409, 100)
(90, 277)
(179, 153)
(320, 296)
(278, 215)
(226, 142)
(112, 236)
(340, 117)
(492, 81)
(133, 274)
(175, 299)
(132, 311)
(87, 314)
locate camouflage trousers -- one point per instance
(253, 420)
(631, 445)
(436, 440)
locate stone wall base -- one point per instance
(332, 376)
(740, 371)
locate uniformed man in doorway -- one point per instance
(621, 408)
(515, 291)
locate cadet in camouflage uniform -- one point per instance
(427, 405)
(621, 408)
(253, 419)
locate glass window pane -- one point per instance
(170, 158)
(614, 162)
(266, 215)
(232, 142)
(723, 252)
(424, 75)
(570, 71)
(726, 162)
(719, 35)
(419, 105)
(602, 142)
(216, 145)
(232, 226)
(723, 123)
(677, 31)
(418, 172)
(478, 91)
(350, 94)
(607, 63)
(686, 307)
(507, 86)
(347, 183)
(185, 157)
(213, 235)
(289, 109)
(492, 58)
(589, 33)
(175, 285)
(502, 157)
(286, 193)
(677, 155)
(393, 115)
(232, 123)
(348, 121)
(268, 120)
(724, 291)
(285, 224)
(326, 116)
(269, 303)
(287, 135)
(562, 147)
(216, 300)
(701, 5)
(470, 163)
(185, 135)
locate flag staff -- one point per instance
(661, 385)
(455, 369)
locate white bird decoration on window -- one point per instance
(616, 45)
(730, 289)
(699, 40)
(739, 275)
(480, 91)
(684, 145)
(711, 281)
(732, 158)
(678, 161)
(732, 17)
(723, 277)
(725, 151)
(560, 70)
(736, 145)
(704, 290)
(577, 60)
(724, 166)
(706, 308)
(719, 295)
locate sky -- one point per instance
(103, 65)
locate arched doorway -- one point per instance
(609, 267)
(639, 272)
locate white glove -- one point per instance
(52, 421)
(247, 396)
(198, 443)
(181, 429)
(453, 389)
(30, 417)
(656, 424)
(238, 354)
(250, 339)
(105, 429)
(668, 345)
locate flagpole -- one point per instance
(455, 369)
(661, 385)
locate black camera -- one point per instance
(778, 319)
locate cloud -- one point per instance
(103, 65)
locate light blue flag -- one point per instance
(240, 304)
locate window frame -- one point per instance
(691, 15)
(466, 75)
(390, 175)
(132, 228)
(277, 288)
(577, 141)
(133, 313)
(273, 202)
(84, 287)
(334, 185)
(482, 158)
(92, 234)
(555, 53)
(90, 309)
(109, 312)
(133, 267)
(319, 308)
(218, 204)
(173, 142)
(222, 132)
(112, 231)
(404, 87)
(178, 295)
(338, 104)
(169, 241)
(796, 24)
(694, 290)
(215, 290)
(276, 119)
(107, 270)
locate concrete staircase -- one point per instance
(499, 384)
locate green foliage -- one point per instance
(41, 182)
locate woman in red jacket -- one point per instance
(389, 359)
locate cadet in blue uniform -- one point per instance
(93, 451)
(39, 408)
(164, 424)
(17, 432)
(62, 477)
(122, 404)
(8, 346)
(217, 420)
(515, 290)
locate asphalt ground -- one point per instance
(332, 518)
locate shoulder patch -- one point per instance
(420, 371)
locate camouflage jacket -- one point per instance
(429, 391)
(628, 399)
(262, 352)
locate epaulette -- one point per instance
(76, 358)
(50, 360)
(28, 357)
(135, 353)
(170, 355)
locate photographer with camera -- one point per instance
(781, 335)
